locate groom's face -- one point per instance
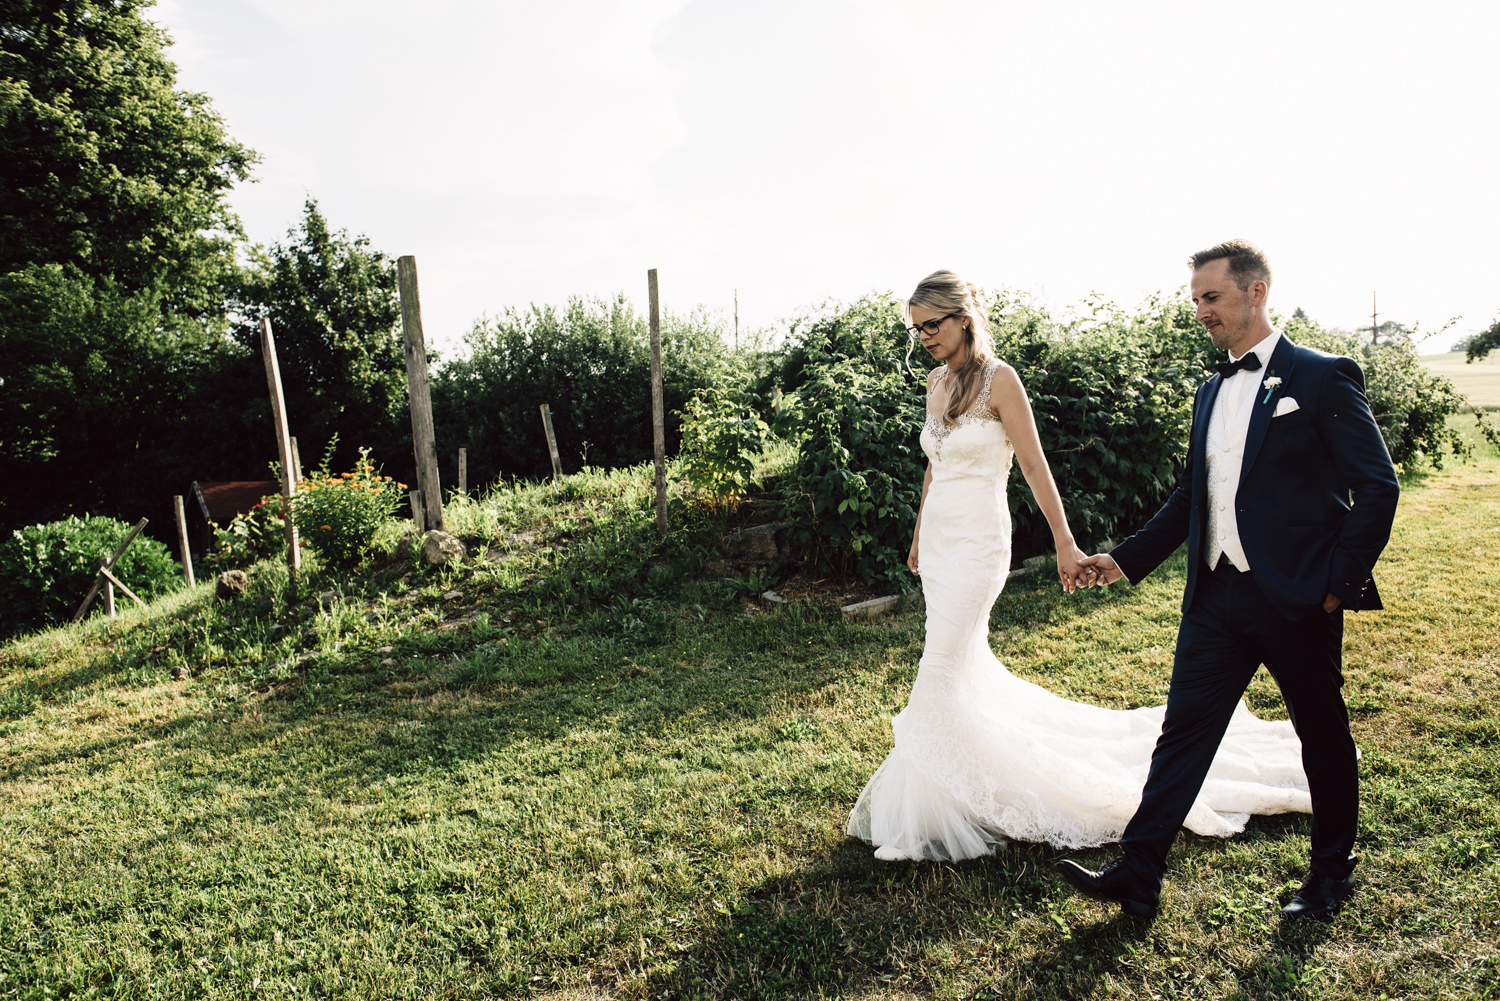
(1226, 311)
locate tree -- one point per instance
(1481, 344)
(104, 165)
(333, 306)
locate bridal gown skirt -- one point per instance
(982, 756)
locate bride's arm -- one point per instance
(1008, 401)
(916, 533)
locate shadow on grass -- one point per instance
(852, 924)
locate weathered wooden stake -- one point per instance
(109, 564)
(109, 599)
(551, 441)
(283, 441)
(463, 471)
(296, 463)
(182, 539)
(658, 426)
(423, 437)
(416, 509)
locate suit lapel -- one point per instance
(1199, 444)
(1260, 416)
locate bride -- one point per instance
(981, 755)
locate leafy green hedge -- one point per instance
(45, 570)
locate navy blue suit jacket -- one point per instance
(1317, 491)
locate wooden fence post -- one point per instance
(416, 509)
(109, 564)
(182, 540)
(423, 437)
(658, 427)
(296, 463)
(109, 599)
(283, 440)
(551, 441)
(463, 471)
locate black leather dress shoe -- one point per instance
(1320, 897)
(1116, 882)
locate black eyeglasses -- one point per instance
(930, 327)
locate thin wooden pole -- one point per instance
(658, 425)
(416, 508)
(283, 440)
(423, 437)
(109, 599)
(551, 441)
(463, 471)
(296, 463)
(117, 582)
(109, 564)
(182, 540)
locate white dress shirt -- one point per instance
(1228, 425)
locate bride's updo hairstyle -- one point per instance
(945, 292)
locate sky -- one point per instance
(796, 152)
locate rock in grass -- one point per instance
(762, 543)
(439, 548)
(453, 595)
(328, 599)
(230, 585)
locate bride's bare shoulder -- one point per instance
(1005, 384)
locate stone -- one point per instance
(386, 650)
(230, 584)
(179, 672)
(440, 548)
(759, 543)
(773, 599)
(881, 606)
(387, 662)
(452, 595)
(328, 599)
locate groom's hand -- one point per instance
(1330, 603)
(1100, 569)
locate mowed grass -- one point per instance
(1479, 381)
(611, 776)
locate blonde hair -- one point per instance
(945, 292)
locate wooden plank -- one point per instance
(109, 564)
(182, 540)
(658, 422)
(416, 509)
(296, 463)
(551, 441)
(463, 471)
(121, 585)
(283, 440)
(423, 437)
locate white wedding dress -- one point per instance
(982, 756)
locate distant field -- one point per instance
(1480, 382)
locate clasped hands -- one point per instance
(1077, 570)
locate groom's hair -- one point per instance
(1246, 263)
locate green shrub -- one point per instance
(339, 514)
(45, 570)
(253, 536)
(722, 433)
(851, 499)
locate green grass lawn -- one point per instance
(599, 772)
(1480, 382)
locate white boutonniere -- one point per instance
(1271, 383)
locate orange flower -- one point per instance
(326, 528)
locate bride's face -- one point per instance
(942, 334)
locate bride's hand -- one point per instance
(1073, 576)
(911, 557)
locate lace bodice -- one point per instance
(982, 449)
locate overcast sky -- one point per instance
(797, 151)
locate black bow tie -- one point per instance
(1250, 363)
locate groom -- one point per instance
(1286, 502)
